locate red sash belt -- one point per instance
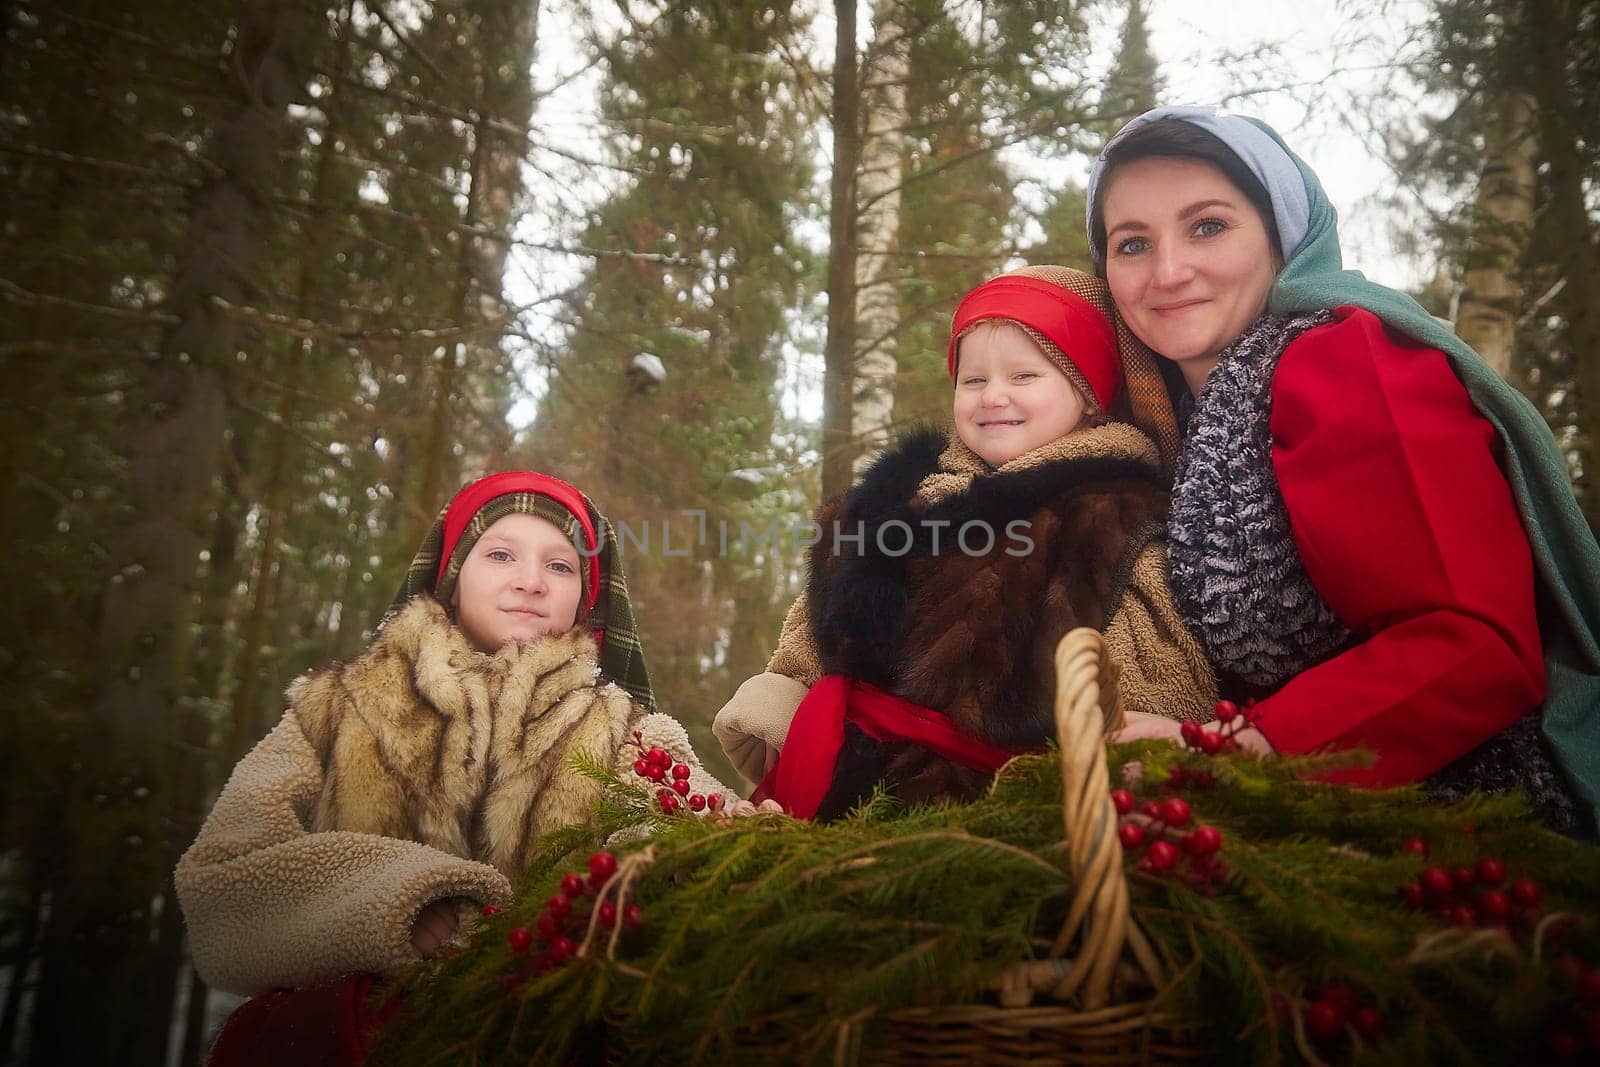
(804, 770)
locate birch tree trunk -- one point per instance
(883, 90)
(839, 355)
(1492, 295)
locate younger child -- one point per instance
(921, 655)
(405, 789)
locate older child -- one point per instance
(921, 654)
(404, 789)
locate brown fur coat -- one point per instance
(421, 770)
(974, 635)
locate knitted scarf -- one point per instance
(1566, 555)
(1237, 577)
(621, 655)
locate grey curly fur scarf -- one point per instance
(1236, 574)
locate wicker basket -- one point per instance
(1099, 1006)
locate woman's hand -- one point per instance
(435, 924)
(1139, 726)
(742, 809)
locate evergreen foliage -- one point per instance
(767, 936)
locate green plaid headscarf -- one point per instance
(621, 655)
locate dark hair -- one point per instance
(1176, 139)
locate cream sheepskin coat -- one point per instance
(421, 770)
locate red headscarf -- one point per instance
(1075, 326)
(471, 499)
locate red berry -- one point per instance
(1150, 809)
(548, 926)
(491, 910)
(572, 885)
(1201, 779)
(1210, 743)
(669, 803)
(680, 786)
(1324, 1020)
(1175, 811)
(1526, 892)
(1571, 968)
(1416, 846)
(519, 939)
(1436, 882)
(1563, 1044)
(1463, 877)
(1462, 915)
(680, 770)
(714, 801)
(656, 772)
(1225, 711)
(559, 906)
(1493, 906)
(608, 914)
(1203, 840)
(1177, 776)
(1122, 800)
(1413, 895)
(1368, 1023)
(658, 757)
(1131, 835)
(632, 917)
(697, 802)
(1589, 989)
(562, 948)
(641, 768)
(602, 865)
(1340, 996)
(1490, 871)
(1162, 856)
(1190, 732)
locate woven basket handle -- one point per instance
(1087, 702)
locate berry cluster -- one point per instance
(567, 913)
(1232, 718)
(1157, 827)
(1575, 1031)
(1472, 896)
(656, 765)
(1336, 1011)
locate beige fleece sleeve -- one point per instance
(271, 905)
(754, 722)
(1164, 671)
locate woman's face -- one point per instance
(522, 580)
(1188, 259)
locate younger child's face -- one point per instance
(1010, 398)
(522, 580)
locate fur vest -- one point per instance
(421, 770)
(425, 738)
(952, 591)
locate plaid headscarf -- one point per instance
(607, 610)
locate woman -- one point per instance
(1370, 530)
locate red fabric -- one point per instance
(804, 770)
(1074, 324)
(328, 1025)
(471, 499)
(1409, 531)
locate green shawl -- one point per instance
(1566, 556)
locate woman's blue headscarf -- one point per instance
(1566, 556)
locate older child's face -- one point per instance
(1010, 398)
(523, 579)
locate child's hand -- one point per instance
(1140, 726)
(435, 925)
(744, 809)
